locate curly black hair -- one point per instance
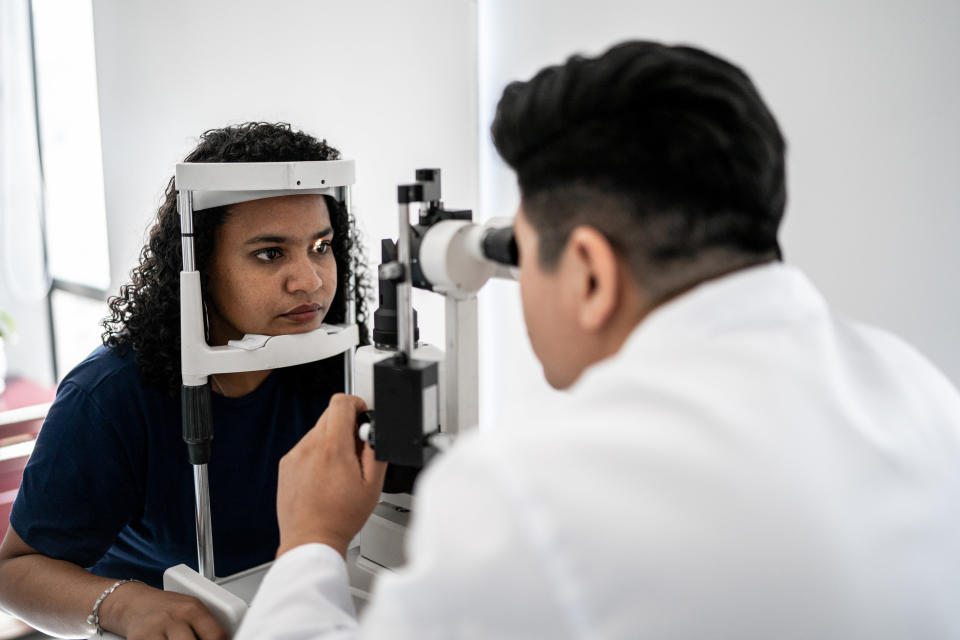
(145, 316)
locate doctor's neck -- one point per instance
(635, 300)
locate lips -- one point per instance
(303, 313)
(304, 308)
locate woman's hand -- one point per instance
(139, 612)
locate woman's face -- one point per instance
(272, 271)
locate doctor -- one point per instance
(735, 460)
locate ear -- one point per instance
(596, 277)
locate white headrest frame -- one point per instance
(210, 199)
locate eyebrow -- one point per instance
(285, 239)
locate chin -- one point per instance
(305, 328)
(284, 327)
(558, 381)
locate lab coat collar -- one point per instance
(771, 293)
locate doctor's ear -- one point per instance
(595, 277)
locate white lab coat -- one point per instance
(749, 465)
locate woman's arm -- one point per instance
(56, 596)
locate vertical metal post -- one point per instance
(201, 491)
(201, 484)
(461, 365)
(404, 298)
(185, 207)
(351, 315)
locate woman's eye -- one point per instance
(269, 254)
(322, 246)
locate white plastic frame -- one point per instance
(264, 176)
(227, 183)
(213, 184)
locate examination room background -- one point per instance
(866, 92)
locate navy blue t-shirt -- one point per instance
(109, 486)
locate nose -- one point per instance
(304, 275)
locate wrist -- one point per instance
(337, 543)
(120, 607)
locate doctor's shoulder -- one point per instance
(878, 349)
(919, 380)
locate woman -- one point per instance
(109, 488)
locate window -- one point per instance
(54, 260)
(68, 126)
(69, 120)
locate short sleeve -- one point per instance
(79, 488)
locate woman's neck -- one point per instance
(237, 385)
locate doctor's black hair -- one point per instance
(145, 316)
(668, 151)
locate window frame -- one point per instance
(55, 284)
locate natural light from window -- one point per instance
(70, 142)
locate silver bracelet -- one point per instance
(94, 617)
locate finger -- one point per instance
(309, 440)
(207, 627)
(337, 406)
(359, 403)
(179, 631)
(341, 407)
(341, 421)
(349, 404)
(373, 470)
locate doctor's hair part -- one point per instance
(145, 316)
(668, 151)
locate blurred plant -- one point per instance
(7, 326)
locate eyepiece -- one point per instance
(500, 245)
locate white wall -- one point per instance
(868, 96)
(866, 93)
(391, 84)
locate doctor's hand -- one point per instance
(330, 482)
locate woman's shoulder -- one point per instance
(105, 367)
(107, 389)
(110, 377)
